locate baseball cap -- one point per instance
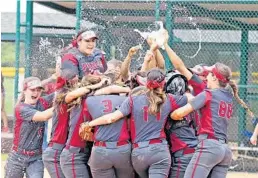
(200, 69)
(88, 35)
(32, 83)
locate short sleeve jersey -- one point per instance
(60, 127)
(181, 137)
(105, 104)
(197, 84)
(145, 126)
(216, 109)
(78, 115)
(81, 64)
(28, 134)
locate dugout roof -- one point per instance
(210, 15)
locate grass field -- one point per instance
(4, 157)
(9, 95)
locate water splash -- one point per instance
(145, 35)
(46, 46)
(156, 35)
(200, 38)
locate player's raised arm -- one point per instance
(107, 119)
(160, 62)
(253, 139)
(176, 60)
(125, 68)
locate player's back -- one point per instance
(217, 113)
(148, 126)
(105, 104)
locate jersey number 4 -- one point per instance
(225, 109)
(107, 106)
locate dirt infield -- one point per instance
(230, 174)
(242, 175)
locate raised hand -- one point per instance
(253, 140)
(133, 50)
(166, 36)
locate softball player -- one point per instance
(59, 132)
(73, 158)
(149, 111)
(194, 80)
(111, 153)
(26, 154)
(181, 134)
(215, 105)
(84, 57)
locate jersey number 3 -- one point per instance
(225, 109)
(107, 106)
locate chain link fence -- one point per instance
(199, 33)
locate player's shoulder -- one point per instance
(18, 106)
(116, 97)
(69, 54)
(98, 51)
(22, 107)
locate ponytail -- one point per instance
(21, 98)
(156, 98)
(239, 100)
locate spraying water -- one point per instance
(200, 39)
(155, 35)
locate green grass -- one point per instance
(9, 95)
(4, 156)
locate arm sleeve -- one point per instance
(85, 111)
(50, 88)
(48, 99)
(24, 112)
(126, 107)
(197, 84)
(177, 101)
(70, 62)
(200, 100)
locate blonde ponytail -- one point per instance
(239, 100)
(156, 98)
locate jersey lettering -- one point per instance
(108, 106)
(230, 110)
(225, 109)
(146, 114)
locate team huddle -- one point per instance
(108, 122)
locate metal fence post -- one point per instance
(78, 14)
(28, 37)
(243, 81)
(17, 49)
(157, 7)
(169, 27)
